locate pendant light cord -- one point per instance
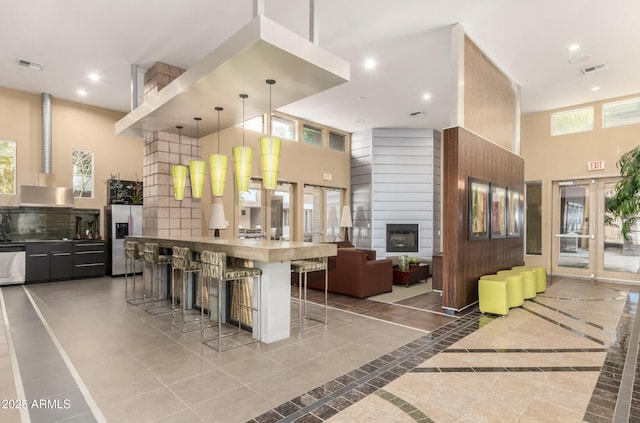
(243, 97)
(219, 109)
(179, 144)
(270, 82)
(197, 119)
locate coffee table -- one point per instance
(415, 273)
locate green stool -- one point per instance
(492, 296)
(515, 288)
(529, 281)
(541, 276)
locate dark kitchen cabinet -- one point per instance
(88, 259)
(37, 262)
(60, 262)
(48, 261)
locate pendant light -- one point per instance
(197, 168)
(270, 151)
(179, 172)
(218, 164)
(242, 155)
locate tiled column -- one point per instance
(162, 214)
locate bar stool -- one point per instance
(181, 261)
(245, 304)
(157, 301)
(132, 255)
(303, 267)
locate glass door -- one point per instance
(587, 240)
(573, 231)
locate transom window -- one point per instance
(626, 112)
(572, 121)
(283, 128)
(312, 135)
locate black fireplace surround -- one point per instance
(402, 238)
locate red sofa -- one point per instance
(355, 273)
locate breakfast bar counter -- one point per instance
(272, 257)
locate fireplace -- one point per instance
(402, 238)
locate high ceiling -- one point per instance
(408, 39)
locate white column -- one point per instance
(275, 300)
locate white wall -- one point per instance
(395, 175)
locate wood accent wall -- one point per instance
(465, 155)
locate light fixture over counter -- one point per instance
(261, 49)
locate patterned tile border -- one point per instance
(329, 399)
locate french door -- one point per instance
(586, 243)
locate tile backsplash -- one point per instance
(48, 223)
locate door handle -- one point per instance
(592, 236)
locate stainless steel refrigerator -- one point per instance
(121, 220)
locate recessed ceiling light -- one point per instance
(94, 77)
(362, 98)
(82, 93)
(426, 96)
(574, 47)
(370, 64)
(594, 88)
(359, 121)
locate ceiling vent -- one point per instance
(595, 68)
(30, 65)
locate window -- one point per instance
(255, 124)
(336, 142)
(283, 128)
(82, 173)
(280, 212)
(311, 135)
(620, 113)
(8, 167)
(250, 223)
(572, 121)
(533, 193)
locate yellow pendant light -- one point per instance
(197, 168)
(218, 164)
(179, 173)
(270, 152)
(243, 155)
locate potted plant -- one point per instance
(116, 189)
(135, 192)
(625, 203)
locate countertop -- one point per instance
(251, 249)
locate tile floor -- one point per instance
(569, 355)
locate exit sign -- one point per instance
(595, 165)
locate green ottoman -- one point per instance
(492, 296)
(529, 281)
(541, 276)
(515, 288)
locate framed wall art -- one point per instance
(498, 209)
(478, 209)
(514, 215)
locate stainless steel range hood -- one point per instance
(43, 196)
(46, 193)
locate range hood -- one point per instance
(43, 196)
(46, 194)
